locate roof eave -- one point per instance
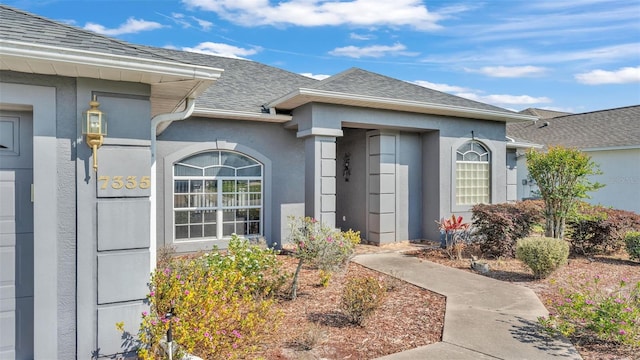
(170, 81)
(240, 115)
(303, 96)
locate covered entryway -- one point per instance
(16, 235)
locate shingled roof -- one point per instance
(609, 128)
(362, 82)
(21, 26)
(33, 44)
(544, 113)
(244, 86)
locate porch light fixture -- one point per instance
(94, 127)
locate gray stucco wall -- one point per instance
(62, 279)
(456, 133)
(433, 166)
(273, 141)
(431, 184)
(410, 187)
(113, 261)
(351, 196)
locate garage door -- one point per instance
(16, 235)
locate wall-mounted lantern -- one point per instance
(94, 127)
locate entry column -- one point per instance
(320, 175)
(382, 193)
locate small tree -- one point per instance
(318, 244)
(562, 178)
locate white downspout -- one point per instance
(155, 122)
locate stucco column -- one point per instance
(382, 194)
(320, 175)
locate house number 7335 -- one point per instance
(128, 182)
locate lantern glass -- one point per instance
(95, 123)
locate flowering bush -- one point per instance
(219, 303)
(319, 245)
(592, 310)
(352, 236)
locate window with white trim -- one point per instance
(216, 194)
(473, 175)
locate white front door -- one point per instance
(16, 235)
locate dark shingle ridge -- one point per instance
(362, 82)
(598, 111)
(618, 127)
(23, 26)
(544, 113)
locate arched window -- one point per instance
(473, 181)
(216, 194)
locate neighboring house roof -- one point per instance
(611, 128)
(32, 44)
(543, 113)
(357, 87)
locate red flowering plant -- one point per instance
(456, 234)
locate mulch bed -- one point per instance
(610, 269)
(314, 327)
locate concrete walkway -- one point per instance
(485, 318)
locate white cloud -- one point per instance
(502, 100)
(516, 56)
(510, 71)
(375, 51)
(204, 24)
(354, 36)
(412, 13)
(441, 87)
(620, 76)
(187, 22)
(316, 76)
(224, 50)
(131, 26)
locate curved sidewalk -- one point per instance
(485, 318)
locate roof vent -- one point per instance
(545, 124)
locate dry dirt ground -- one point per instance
(314, 327)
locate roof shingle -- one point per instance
(599, 129)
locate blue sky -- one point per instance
(567, 55)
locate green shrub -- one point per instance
(594, 230)
(260, 267)
(220, 304)
(632, 241)
(497, 227)
(361, 297)
(542, 255)
(591, 310)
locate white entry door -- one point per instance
(16, 235)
